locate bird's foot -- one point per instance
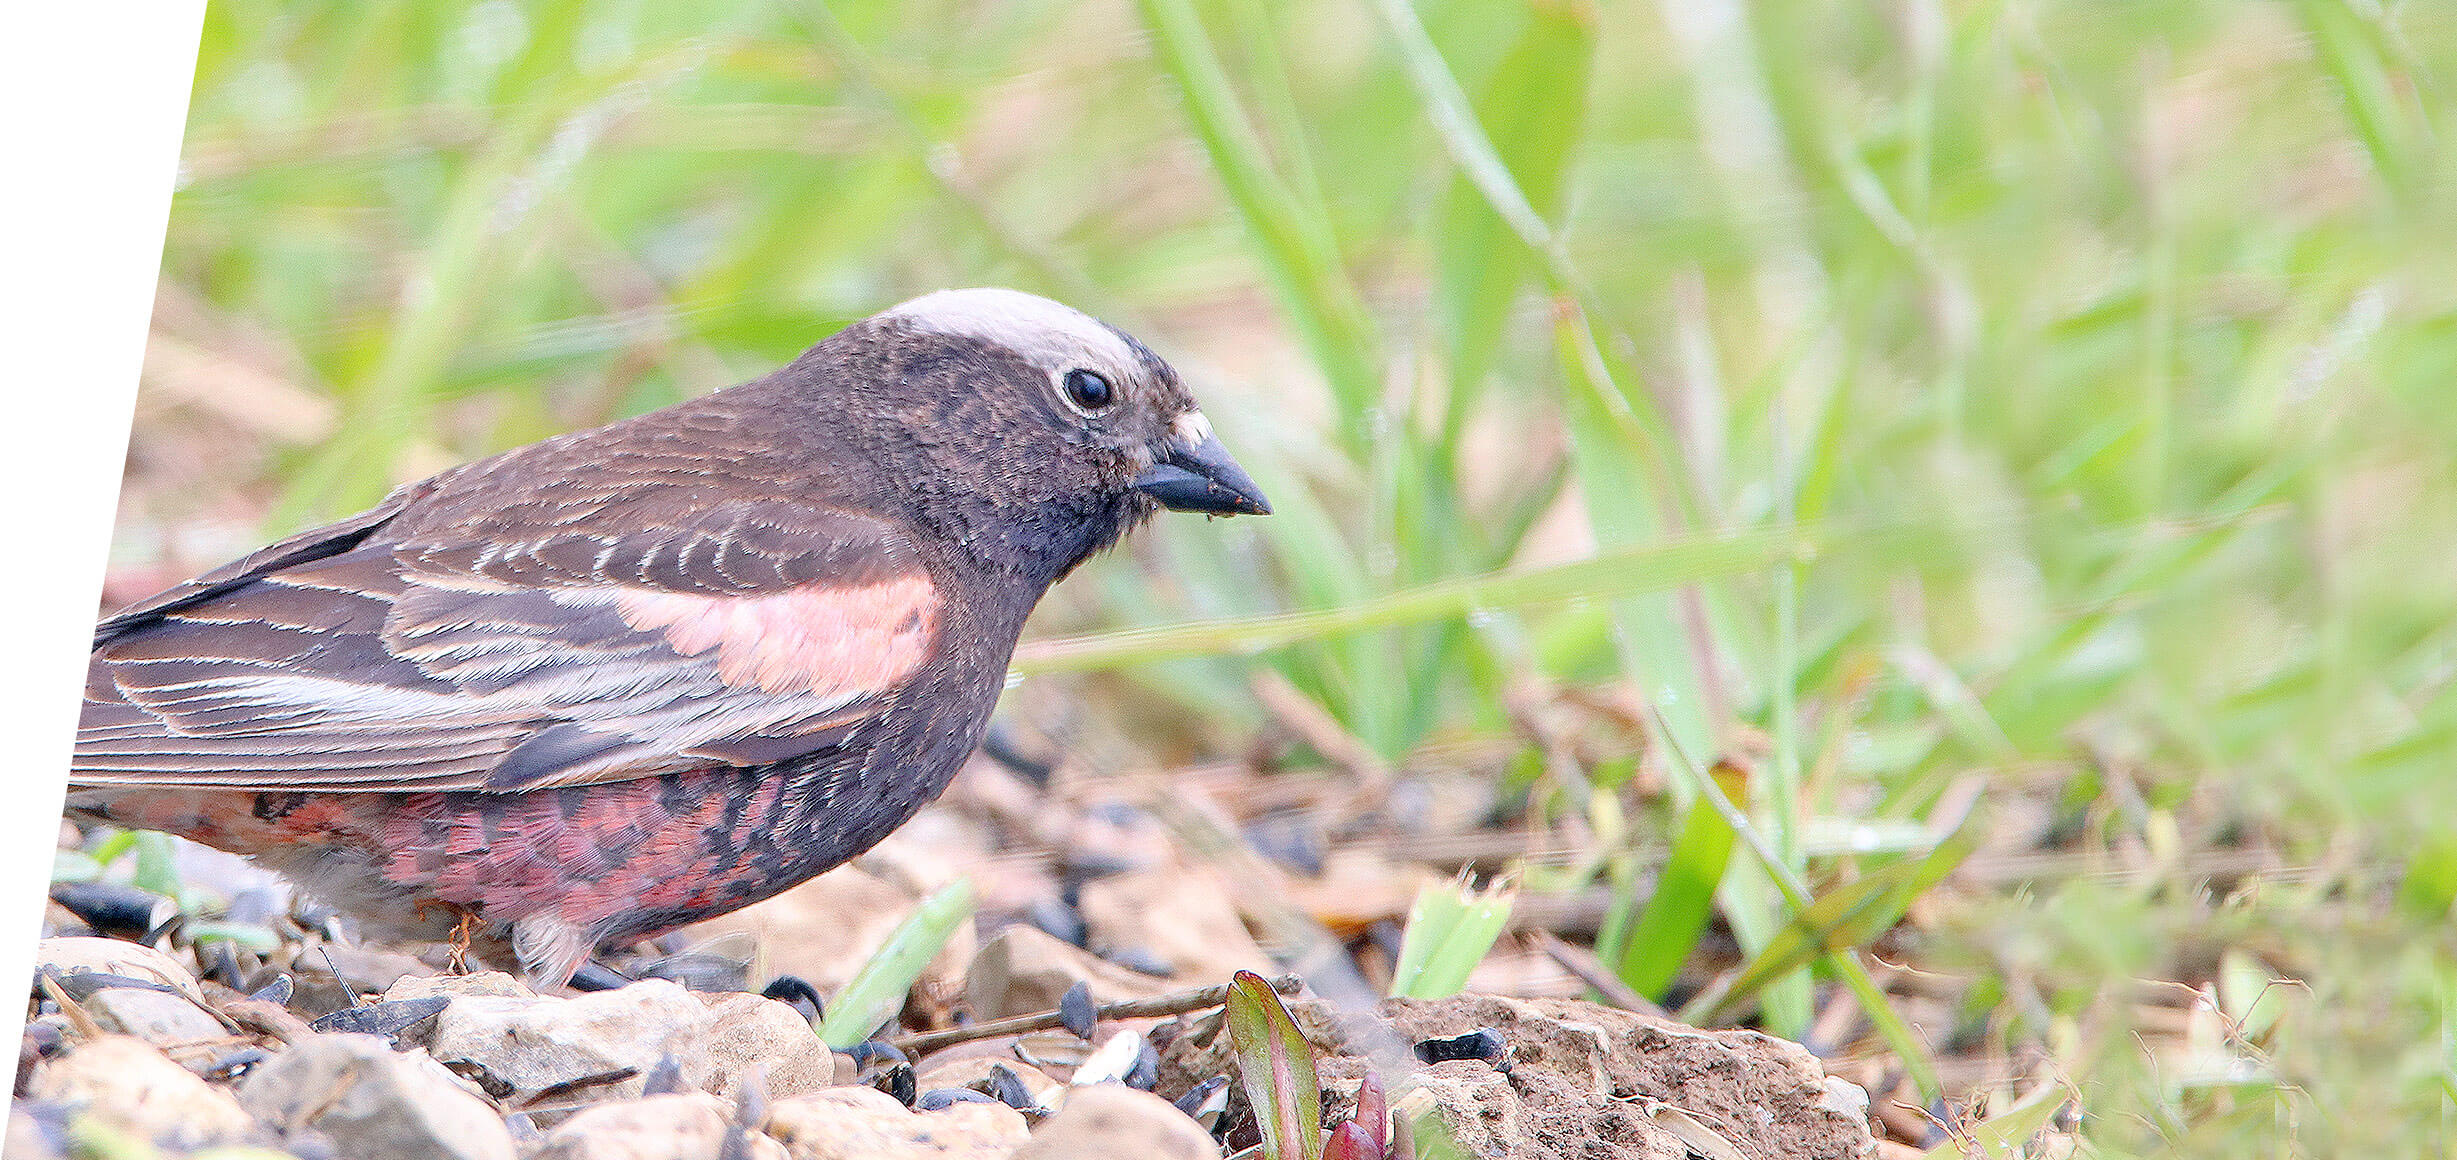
(462, 932)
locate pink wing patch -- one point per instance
(829, 640)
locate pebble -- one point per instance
(110, 956)
(747, 1030)
(1004, 1079)
(374, 1103)
(129, 1085)
(858, 1123)
(522, 1048)
(162, 1018)
(1076, 1011)
(688, 1126)
(483, 984)
(1109, 1122)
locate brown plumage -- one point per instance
(603, 685)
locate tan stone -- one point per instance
(541, 1044)
(861, 1123)
(110, 956)
(374, 1101)
(494, 984)
(682, 1126)
(129, 1085)
(1111, 1122)
(747, 1029)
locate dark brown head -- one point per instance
(1066, 428)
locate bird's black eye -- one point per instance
(1088, 390)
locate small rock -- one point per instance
(162, 1018)
(128, 1084)
(975, 1072)
(1076, 1011)
(1845, 1099)
(493, 984)
(1182, 915)
(747, 1029)
(1024, 970)
(937, 1098)
(796, 992)
(531, 1046)
(374, 1103)
(1109, 1122)
(277, 992)
(859, 1123)
(110, 956)
(115, 909)
(688, 1126)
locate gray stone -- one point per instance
(1110, 1122)
(374, 1103)
(530, 1045)
(162, 1018)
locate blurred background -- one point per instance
(2002, 447)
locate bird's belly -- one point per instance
(621, 860)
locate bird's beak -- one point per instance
(1195, 474)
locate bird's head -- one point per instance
(1045, 412)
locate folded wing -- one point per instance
(738, 634)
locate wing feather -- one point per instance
(354, 660)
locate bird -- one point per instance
(602, 686)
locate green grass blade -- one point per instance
(1533, 109)
(1604, 576)
(1450, 929)
(1309, 275)
(2004, 1135)
(1667, 931)
(1850, 916)
(877, 991)
(1914, 1054)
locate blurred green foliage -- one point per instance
(2088, 365)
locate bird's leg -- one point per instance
(461, 934)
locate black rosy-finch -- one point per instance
(604, 685)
